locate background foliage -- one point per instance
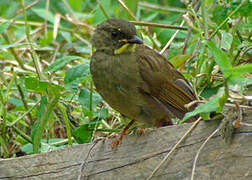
(47, 99)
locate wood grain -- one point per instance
(137, 156)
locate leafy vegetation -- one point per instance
(47, 99)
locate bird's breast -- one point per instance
(117, 80)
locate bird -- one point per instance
(135, 79)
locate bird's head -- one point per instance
(117, 35)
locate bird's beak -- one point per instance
(135, 40)
(129, 45)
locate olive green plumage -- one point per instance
(134, 79)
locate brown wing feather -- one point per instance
(163, 82)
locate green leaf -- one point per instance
(98, 14)
(241, 69)
(219, 13)
(75, 4)
(15, 101)
(36, 130)
(226, 40)
(45, 147)
(36, 85)
(179, 59)
(246, 9)
(13, 45)
(43, 114)
(102, 113)
(84, 98)
(75, 75)
(61, 62)
(235, 80)
(43, 13)
(209, 91)
(67, 36)
(220, 58)
(4, 26)
(27, 148)
(46, 39)
(132, 5)
(83, 134)
(213, 104)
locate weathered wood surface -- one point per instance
(137, 156)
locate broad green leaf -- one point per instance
(27, 148)
(45, 147)
(67, 36)
(241, 69)
(98, 14)
(42, 13)
(36, 85)
(4, 26)
(46, 40)
(222, 100)
(209, 91)
(82, 49)
(205, 116)
(220, 58)
(226, 40)
(75, 75)
(76, 5)
(246, 9)
(61, 62)
(213, 104)
(15, 101)
(179, 59)
(220, 13)
(102, 113)
(43, 114)
(132, 5)
(13, 45)
(84, 98)
(36, 131)
(84, 133)
(239, 80)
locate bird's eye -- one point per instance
(114, 33)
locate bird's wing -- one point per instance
(163, 82)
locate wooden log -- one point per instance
(138, 155)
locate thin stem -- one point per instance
(227, 18)
(4, 147)
(127, 9)
(23, 100)
(103, 9)
(27, 7)
(172, 38)
(69, 8)
(22, 134)
(14, 53)
(198, 152)
(67, 124)
(150, 24)
(204, 17)
(46, 16)
(164, 9)
(38, 24)
(174, 147)
(33, 53)
(26, 113)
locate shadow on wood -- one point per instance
(137, 156)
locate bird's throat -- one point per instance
(125, 48)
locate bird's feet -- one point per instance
(117, 141)
(141, 131)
